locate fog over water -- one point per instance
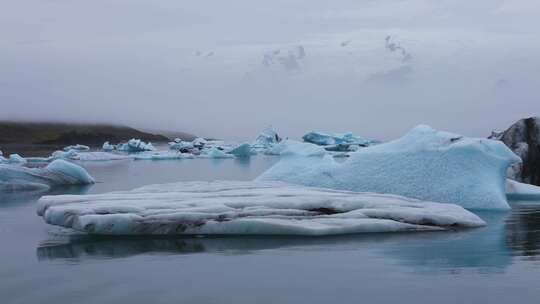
(229, 68)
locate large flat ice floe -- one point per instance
(424, 164)
(244, 208)
(57, 173)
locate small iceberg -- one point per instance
(135, 145)
(182, 146)
(59, 172)
(243, 150)
(215, 153)
(520, 191)
(13, 159)
(247, 208)
(77, 148)
(266, 139)
(108, 147)
(290, 147)
(328, 139)
(424, 164)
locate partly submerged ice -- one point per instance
(266, 139)
(77, 147)
(425, 164)
(135, 145)
(59, 172)
(232, 207)
(243, 150)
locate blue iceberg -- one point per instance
(424, 164)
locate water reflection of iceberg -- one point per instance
(523, 230)
(481, 249)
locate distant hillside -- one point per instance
(68, 134)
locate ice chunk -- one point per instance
(290, 147)
(14, 159)
(162, 155)
(215, 153)
(59, 172)
(180, 145)
(199, 142)
(108, 147)
(77, 148)
(232, 207)
(136, 145)
(267, 138)
(99, 156)
(324, 139)
(520, 191)
(243, 150)
(425, 164)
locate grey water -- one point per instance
(499, 263)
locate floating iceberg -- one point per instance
(180, 145)
(135, 145)
(242, 208)
(243, 150)
(215, 153)
(59, 172)
(267, 138)
(290, 147)
(99, 156)
(324, 139)
(199, 142)
(77, 148)
(424, 164)
(108, 147)
(162, 155)
(519, 191)
(13, 159)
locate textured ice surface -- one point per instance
(425, 164)
(59, 172)
(520, 191)
(13, 159)
(232, 207)
(135, 145)
(77, 148)
(327, 139)
(178, 144)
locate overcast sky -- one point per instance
(229, 68)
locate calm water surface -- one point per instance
(499, 263)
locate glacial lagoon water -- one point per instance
(499, 263)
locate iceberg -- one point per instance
(162, 155)
(77, 148)
(135, 145)
(13, 159)
(199, 142)
(99, 156)
(267, 138)
(180, 145)
(108, 147)
(290, 147)
(215, 153)
(59, 172)
(424, 164)
(326, 139)
(243, 150)
(520, 191)
(244, 208)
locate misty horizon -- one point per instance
(228, 70)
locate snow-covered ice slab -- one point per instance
(424, 164)
(59, 172)
(328, 139)
(244, 208)
(521, 191)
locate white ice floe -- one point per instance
(425, 164)
(85, 156)
(59, 172)
(135, 145)
(179, 144)
(199, 142)
(77, 148)
(327, 139)
(520, 191)
(242, 208)
(162, 155)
